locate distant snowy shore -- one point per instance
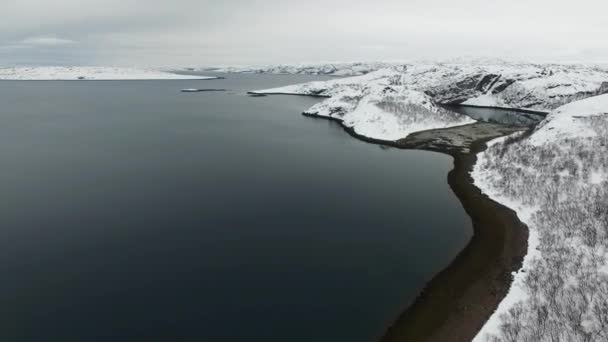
(347, 69)
(391, 103)
(89, 73)
(326, 69)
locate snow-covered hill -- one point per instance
(89, 73)
(376, 105)
(391, 103)
(327, 69)
(556, 179)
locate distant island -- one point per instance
(60, 73)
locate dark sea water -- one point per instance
(132, 212)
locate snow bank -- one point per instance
(557, 181)
(89, 73)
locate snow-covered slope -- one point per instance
(376, 105)
(520, 86)
(543, 89)
(388, 113)
(556, 179)
(390, 103)
(89, 73)
(328, 69)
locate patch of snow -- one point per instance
(485, 100)
(598, 176)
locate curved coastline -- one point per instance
(456, 303)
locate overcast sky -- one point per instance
(214, 32)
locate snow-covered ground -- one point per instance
(556, 179)
(390, 103)
(89, 73)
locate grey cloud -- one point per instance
(204, 32)
(50, 40)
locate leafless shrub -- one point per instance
(567, 286)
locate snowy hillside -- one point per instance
(556, 179)
(376, 105)
(543, 89)
(328, 69)
(89, 73)
(390, 103)
(521, 86)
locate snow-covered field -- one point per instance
(556, 179)
(89, 73)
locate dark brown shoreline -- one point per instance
(458, 301)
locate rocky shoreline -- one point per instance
(458, 301)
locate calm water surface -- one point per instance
(132, 212)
